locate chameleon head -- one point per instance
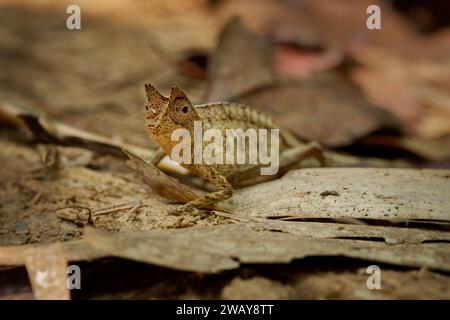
(156, 106)
(164, 115)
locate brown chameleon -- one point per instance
(164, 115)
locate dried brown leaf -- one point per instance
(224, 247)
(46, 265)
(326, 108)
(47, 270)
(48, 130)
(390, 234)
(241, 62)
(415, 91)
(431, 150)
(163, 184)
(388, 194)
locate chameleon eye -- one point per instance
(180, 111)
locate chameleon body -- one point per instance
(164, 115)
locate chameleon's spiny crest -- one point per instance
(152, 93)
(155, 106)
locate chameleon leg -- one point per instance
(289, 159)
(158, 156)
(299, 153)
(225, 191)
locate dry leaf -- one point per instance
(47, 270)
(242, 61)
(387, 194)
(216, 248)
(326, 108)
(100, 88)
(256, 288)
(224, 247)
(46, 266)
(396, 284)
(389, 234)
(415, 91)
(163, 184)
(299, 63)
(329, 25)
(431, 150)
(50, 130)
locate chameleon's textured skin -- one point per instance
(164, 115)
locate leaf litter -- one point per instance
(72, 198)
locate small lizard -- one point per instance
(164, 115)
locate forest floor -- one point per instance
(71, 100)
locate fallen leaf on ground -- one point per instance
(431, 150)
(365, 193)
(390, 234)
(326, 108)
(241, 62)
(163, 184)
(47, 270)
(225, 247)
(415, 91)
(48, 130)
